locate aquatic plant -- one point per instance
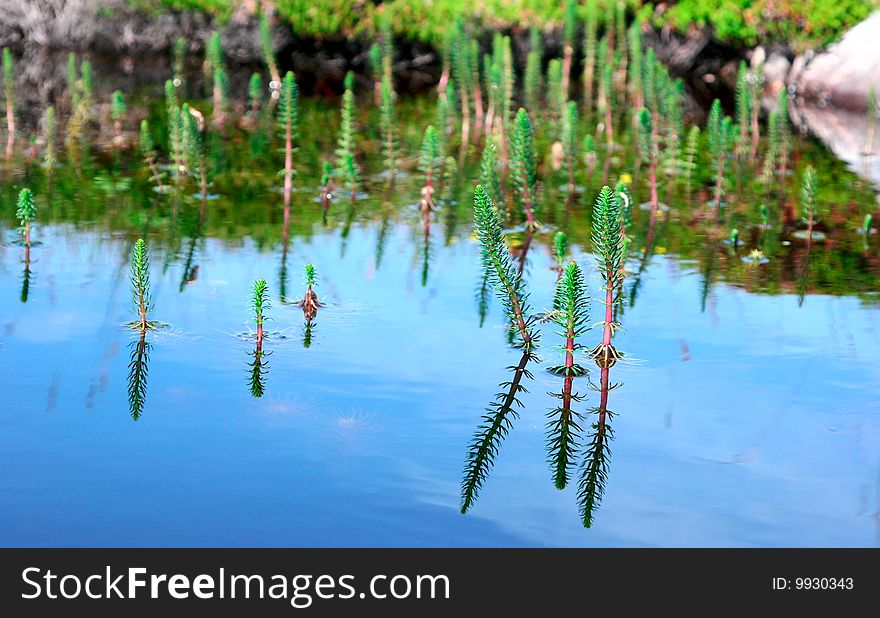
(570, 140)
(327, 186)
(605, 103)
(9, 93)
(590, 156)
(260, 304)
(743, 110)
(560, 250)
(26, 213)
(387, 124)
(594, 474)
(74, 86)
(755, 81)
(138, 370)
(178, 62)
(590, 29)
(288, 125)
(721, 137)
(784, 132)
(445, 102)
(607, 241)
(808, 199)
(310, 303)
(427, 159)
(194, 148)
(571, 313)
(255, 96)
(257, 368)
(650, 150)
(149, 153)
(117, 112)
(50, 129)
(532, 80)
(635, 70)
(268, 52)
(524, 175)
(691, 153)
(462, 72)
(569, 32)
(174, 129)
(510, 288)
(140, 286)
(555, 98)
(346, 168)
(489, 172)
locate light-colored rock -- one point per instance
(776, 70)
(842, 75)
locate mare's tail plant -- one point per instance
(721, 137)
(569, 31)
(269, 54)
(50, 128)
(589, 78)
(178, 62)
(194, 148)
(255, 97)
(525, 174)
(117, 113)
(560, 250)
(9, 92)
(149, 153)
(346, 168)
(808, 199)
(138, 369)
(744, 105)
(260, 304)
(26, 213)
(175, 128)
(691, 158)
(427, 160)
(140, 286)
(649, 147)
(570, 140)
(310, 303)
(288, 125)
(532, 77)
(489, 172)
(510, 288)
(387, 124)
(784, 128)
(755, 83)
(571, 313)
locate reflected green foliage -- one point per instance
(138, 370)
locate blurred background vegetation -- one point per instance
(802, 23)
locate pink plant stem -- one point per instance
(478, 106)
(259, 330)
(288, 169)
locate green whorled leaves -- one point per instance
(260, 301)
(428, 153)
(193, 142)
(8, 75)
(50, 127)
(489, 172)
(532, 78)
(138, 370)
(26, 209)
(267, 48)
(808, 194)
(117, 106)
(560, 249)
(571, 312)
(148, 150)
(606, 237)
(288, 107)
(569, 132)
(255, 93)
(387, 124)
(311, 277)
(498, 418)
(346, 168)
(691, 152)
(594, 472)
(743, 108)
(258, 367)
(525, 176)
(140, 284)
(648, 146)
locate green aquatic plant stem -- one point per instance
(117, 111)
(255, 96)
(140, 284)
(175, 130)
(50, 128)
(26, 213)
(691, 154)
(138, 369)
(310, 303)
(9, 93)
(755, 81)
(571, 314)
(784, 128)
(569, 32)
(388, 122)
(260, 304)
(560, 249)
(808, 199)
(288, 124)
(532, 77)
(428, 157)
(555, 100)
(489, 172)
(570, 140)
(523, 163)
(590, 30)
(721, 133)
(179, 61)
(648, 144)
(743, 110)
(346, 167)
(268, 50)
(149, 153)
(607, 238)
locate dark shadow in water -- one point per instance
(26, 274)
(138, 369)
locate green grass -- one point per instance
(804, 23)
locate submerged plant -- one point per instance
(26, 213)
(510, 289)
(288, 125)
(149, 153)
(9, 92)
(346, 168)
(140, 286)
(691, 153)
(260, 304)
(138, 369)
(607, 240)
(571, 313)
(525, 174)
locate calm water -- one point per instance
(749, 411)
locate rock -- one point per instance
(842, 75)
(776, 70)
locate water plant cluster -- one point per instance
(565, 163)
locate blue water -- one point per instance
(753, 423)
